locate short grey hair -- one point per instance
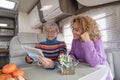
(50, 25)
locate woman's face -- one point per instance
(51, 33)
(76, 30)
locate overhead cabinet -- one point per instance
(46, 10)
(57, 8)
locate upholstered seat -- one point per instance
(17, 52)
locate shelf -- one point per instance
(6, 36)
(6, 32)
(4, 51)
(7, 28)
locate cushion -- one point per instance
(26, 37)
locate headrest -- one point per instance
(27, 37)
(60, 37)
(41, 37)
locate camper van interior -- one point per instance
(21, 23)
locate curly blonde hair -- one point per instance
(88, 24)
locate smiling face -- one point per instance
(51, 33)
(76, 30)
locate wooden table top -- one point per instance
(4, 50)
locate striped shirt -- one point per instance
(52, 48)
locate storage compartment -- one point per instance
(53, 9)
(6, 32)
(4, 59)
(8, 22)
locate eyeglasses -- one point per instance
(52, 32)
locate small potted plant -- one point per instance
(66, 65)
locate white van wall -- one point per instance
(111, 31)
(24, 24)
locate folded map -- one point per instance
(34, 53)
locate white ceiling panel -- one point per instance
(26, 5)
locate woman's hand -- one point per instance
(28, 59)
(46, 63)
(37, 45)
(85, 37)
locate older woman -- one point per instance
(51, 48)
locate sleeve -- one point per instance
(72, 50)
(55, 66)
(38, 46)
(62, 49)
(94, 52)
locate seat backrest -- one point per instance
(17, 52)
(41, 37)
(60, 37)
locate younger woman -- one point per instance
(87, 45)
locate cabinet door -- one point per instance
(34, 18)
(57, 9)
(49, 6)
(6, 32)
(8, 22)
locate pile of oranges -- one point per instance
(11, 72)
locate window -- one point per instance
(68, 35)
(9, 4)
(107, 22)
(101, 20)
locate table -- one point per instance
(82, 72)
(4, 57)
